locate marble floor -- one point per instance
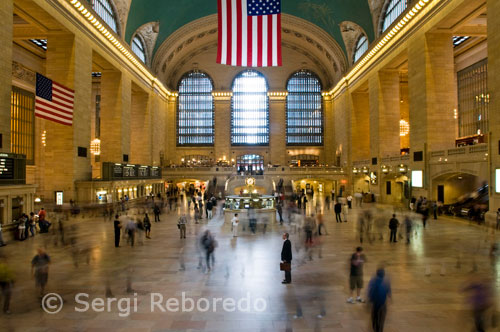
(427, 278)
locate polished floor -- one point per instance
(427, 277)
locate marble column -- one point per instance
(115, 116)
(69, 62)
(6, 16)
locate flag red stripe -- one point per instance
(50, 105)
(66, 107)
(62, 91)
(219, 41)
(229, 32)
(43, 111)
(52, 119)
(249, 41)
(55, 96)
(239, 37)
(270, 40)
(259, 42)
(279, 40)
(70, 91)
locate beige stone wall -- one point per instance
(360, 122)
(141, 133)
(494, 88)
(329, 132)
(277, 131)
(6, 11)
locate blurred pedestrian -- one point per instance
(345, 212)
(6, 285)
(286, 258)
(131, 229)
(338, 211)
(32, 224)
(147, 225)
(181, 224)
(498, 218)
(234, 225)
(356, 275)
(117, 227)
(2, 243)
(156, 211)
(40, 270)
(379, 289)
(349, 201)
(208, 244)
(409, 227)
(481, 302)
(393, 226)
(279, 209)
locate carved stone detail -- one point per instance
(122, 9)
(376, 7)
(350, 33)
(22, 73)
(149, 33)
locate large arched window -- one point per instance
(361, 48)
(104, 9)
(393, 10)
(195, 112)
(138, 48)
(250, 109)
(304, 114)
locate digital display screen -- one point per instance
(59, 198)
(417, 179)
(497, 180)
(6, 168)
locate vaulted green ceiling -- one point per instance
(173, 14)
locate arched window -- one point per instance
(392, 12)
(104, 9)
(195, 111)
(250, 109)
(361, 48)
(304, 114)
(138, 48)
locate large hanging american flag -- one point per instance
(249, 33)
(53, 101)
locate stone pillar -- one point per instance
(171, 136)
(69, 62)
(432, 99)
(432, 92)
(360, 122)
(328, 131)
(6, 16)
(223, 127)
(384, 114)
(115, 116)
(158, 126)
(494, 115)
(140, 127)
(343, 128)
(277, 130)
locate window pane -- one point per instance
(195, 112)
(304, 116)
(361, 48)
(393, 11)
(473, 100)
(22, 123)
(138, 48)
(105, 11)
(250, 109)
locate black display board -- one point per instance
(112, 171)
(12, 168)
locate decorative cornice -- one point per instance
(23, 74)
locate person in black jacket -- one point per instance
(286, 257)
(338, 211)
(393, 226)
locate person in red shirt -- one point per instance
(42, 214)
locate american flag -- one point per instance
(249, 33)
(53, 101)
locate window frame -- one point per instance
(322, 127)
(22, 122)
(388, 10)
(233, 97)
(177, 118)
(142, 47)
(111, 12)
(358, 46)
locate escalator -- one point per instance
(473, 205)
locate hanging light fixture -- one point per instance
(404, 128)
(95, 147)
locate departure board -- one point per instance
(6, 168)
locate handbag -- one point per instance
(285, 266)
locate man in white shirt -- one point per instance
(235, 222)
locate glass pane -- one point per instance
(195, 113)
(304, 116)
(250, 109)
(393, 11)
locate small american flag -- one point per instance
(249, 33)
(53, 101)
